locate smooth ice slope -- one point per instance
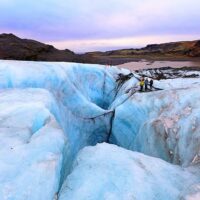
(108, 172)
(31, 145)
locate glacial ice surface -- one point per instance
(50, 111)
(37, 95)
(113, 173)
(163, 124)
(31, 145)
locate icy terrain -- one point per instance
(51, 111)
(31, 145)
(164, 125)
(109, 172)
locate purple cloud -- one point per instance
(77, 20)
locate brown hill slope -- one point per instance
(188, 50)
(13, 47)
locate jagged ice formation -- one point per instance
(51, 111)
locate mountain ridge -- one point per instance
(15, 48)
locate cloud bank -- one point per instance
(99, 24)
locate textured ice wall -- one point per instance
(82, 93)
(163, 124)
(82, 99)
(31, 145)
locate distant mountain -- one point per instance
(15, 48)
(187, 50)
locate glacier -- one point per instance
(118, 174)
(54, 115)
(163, 124)
(31, 145)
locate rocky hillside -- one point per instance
(191, 49)
(171, 51)
(15, 48)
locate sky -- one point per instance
(93, 25)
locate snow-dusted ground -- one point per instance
(50, 111)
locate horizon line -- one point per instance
(81, 46)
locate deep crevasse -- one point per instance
(78, 98)
(82, 98)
